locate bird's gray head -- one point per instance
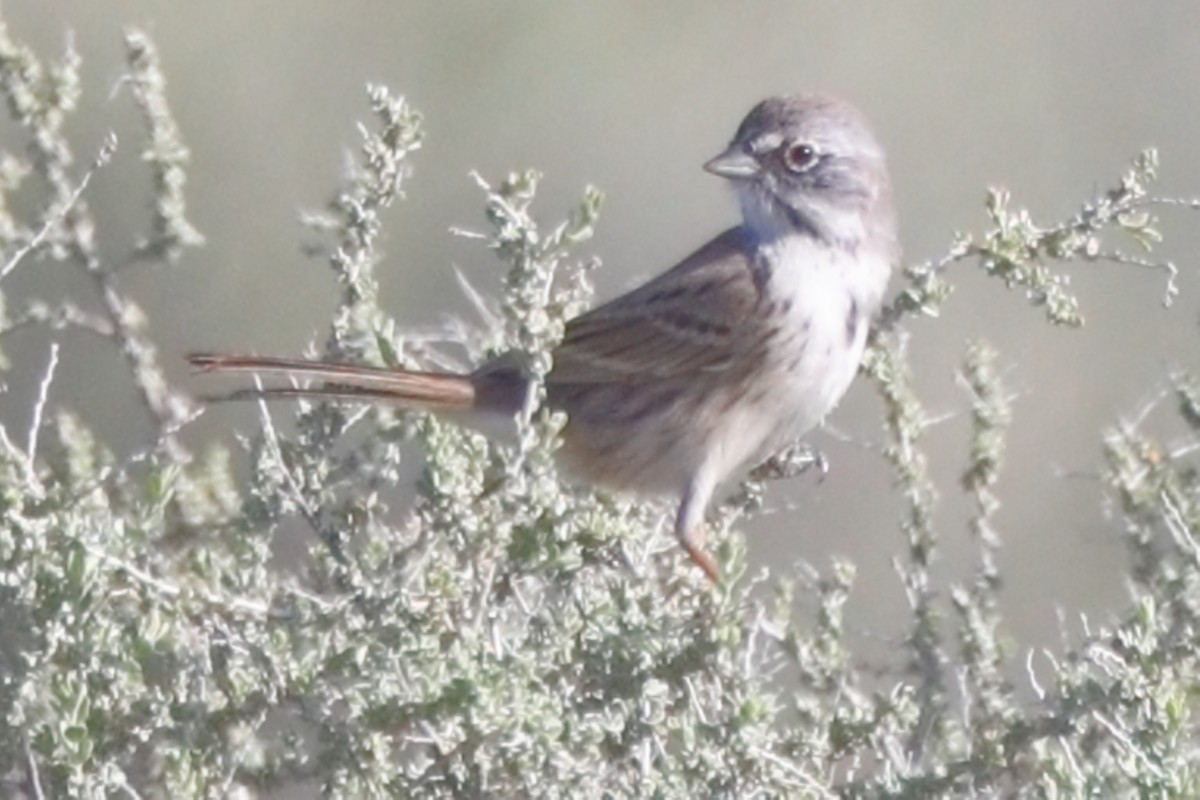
(810, 164)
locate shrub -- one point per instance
(505, 634)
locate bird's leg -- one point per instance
(689, 525)
(693, 545)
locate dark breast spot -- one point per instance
(853, 320)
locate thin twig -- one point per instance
(306, 511)
(35, 779)
(39, 408)
(57, 215)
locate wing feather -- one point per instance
(690, 318)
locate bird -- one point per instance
(714, 365)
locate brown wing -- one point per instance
(687, 319)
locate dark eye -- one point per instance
(800, 156)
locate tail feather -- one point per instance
(427, 390)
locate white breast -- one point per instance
(830, 296)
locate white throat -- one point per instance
(768, 219)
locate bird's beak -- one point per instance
(734, 164)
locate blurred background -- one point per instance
(1050, 100)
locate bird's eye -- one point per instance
(800, 156)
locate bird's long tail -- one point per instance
(433, 391)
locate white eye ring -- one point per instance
(799, 156)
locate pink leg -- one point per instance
(689, 524)
(693, 545)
